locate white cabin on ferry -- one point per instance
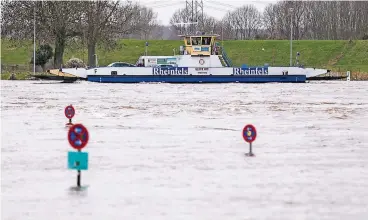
(198, 51)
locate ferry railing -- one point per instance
(226, 58)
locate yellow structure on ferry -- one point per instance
(200, 45)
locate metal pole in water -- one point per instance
(250, 149)
(79, 179)
(79, 175)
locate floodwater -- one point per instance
(168, 151)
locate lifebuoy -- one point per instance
(201, 61)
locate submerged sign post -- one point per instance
(249, 135)
(78, 138)
(69, 112)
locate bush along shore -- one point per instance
(20, 75)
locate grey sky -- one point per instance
(215, 8)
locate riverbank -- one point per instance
(355, 76)
(17, 76)
(339, 55)
(20, 75)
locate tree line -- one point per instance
(102, 22)
(58, 22)
(319, 20)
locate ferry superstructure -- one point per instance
(201, 60)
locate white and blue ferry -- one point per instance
(201, 60)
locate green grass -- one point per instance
(336, 55)
(18, 76)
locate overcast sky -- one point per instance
(215, 8)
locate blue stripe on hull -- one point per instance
(197, 79)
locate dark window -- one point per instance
(199, 40)
(196, 41)
(114, 72)
(188, 40)
(122, 65)
(206, 41)
(119, 65)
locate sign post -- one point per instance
(78, 138)
(249, 135)
(69, 112)
(146, 49)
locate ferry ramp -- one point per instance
(80, 73)
(57, 72)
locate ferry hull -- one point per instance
(196, 79)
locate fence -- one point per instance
(19, 68)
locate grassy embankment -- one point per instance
(340, 56)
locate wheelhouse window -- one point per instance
(206, 40)
(188, 40)
(196, 41)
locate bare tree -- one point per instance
(94, 21)
(158, 32)
(244, 22)
(210, 24)
(270, 20)
(144, 25)
(147, 22)
(317, 19)
(55, 21)
(20, 26)
(60, 18)
(179, 16)
(115, 20)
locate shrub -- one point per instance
(43, 54)
(75, 63)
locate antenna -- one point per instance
(185, 24)
(194, 14)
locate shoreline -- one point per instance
(22, 76)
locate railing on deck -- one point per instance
(226, 58)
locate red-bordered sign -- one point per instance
(78, 136)
(249, 133)
(69, 111)
(201, 61)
